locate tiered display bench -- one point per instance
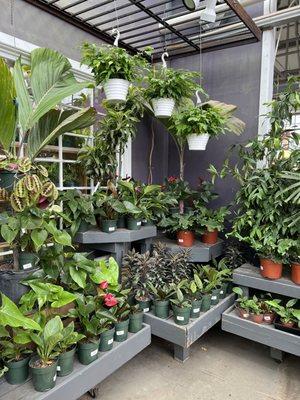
(184, 336)
(118, 243)
(199, 252)
(83, 378)
(248, 276)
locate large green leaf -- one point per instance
(78, 276)
(39, 237)
(52, 328)
(54, 124)
(23, 98)
(10, 315)
(7, 108)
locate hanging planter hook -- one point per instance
(116, 32)
(199, 101)
(165, 54)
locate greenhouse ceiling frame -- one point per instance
(151, 27)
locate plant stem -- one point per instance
(150, 176)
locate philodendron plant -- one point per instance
(209, 220)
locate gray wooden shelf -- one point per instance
(83, 378)
(183, 336)
(261, 333)
(249, 276)
(199, 252)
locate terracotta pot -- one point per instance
(296, 273)
(270, 269)
(210, 237)
(257, 318)
(185, 238)
(269, 318)
(287, 324)
(242, 313)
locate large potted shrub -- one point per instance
(114, 68)
(209, 222)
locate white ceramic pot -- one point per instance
(116, 89)
(197, 142)
(163, 108)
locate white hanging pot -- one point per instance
(116, 89)
(163, 108)
(197, 142)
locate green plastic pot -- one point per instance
(18, 371)
(145, 222)
(109, 226)
(27, 260)
(230, 287)
(65, 362)
(121, 224)
(188, 210)
(161, 308)
(215, 297)
(144, 305)
(121, 330)
(136, 322)
(206, 302)
(107, 340)
(43, 379)
(174, 210)
(84, 226)
(223, 290)
(88, 352)
(181, 315)
(7, 179)
(196, 308)
(133, 224)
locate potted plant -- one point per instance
(66, 348)
(242, 303)
(256, 310)
(270, 307)
(142, 297)
(121, 311)
(161, 299)
(193, 290)
(179, 191)
(181, 306)
(286, 313)
(12, 167)
(113, 68)
(130, 193)
(209, 222)
(294, 256)
(44, 366)
(166, 86)
(135, 319)
(183, 225)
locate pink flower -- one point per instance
(13, 166)
(43, 202)
(103, 285)
(110, 300)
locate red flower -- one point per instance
(103, 285)
(172, 179)
(110, 300)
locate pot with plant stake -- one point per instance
(181, 306)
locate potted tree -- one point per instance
(209, 222)
(166, 86)
(161, 299)
(113, 68)
(181, 306)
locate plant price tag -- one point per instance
(214, 297)
(139, 223)
(94, 352)
(267, 318)
(195, 310)
(221, 291)
(180, 240)
(54, 378)
(146, 309)
(58, 368)
(111, 228)
(27, 266)
(119, 333)
(180, 318)
(110, 341)
(261, 267)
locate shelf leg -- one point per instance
(181, 353)
(278, 355)
(146, 245)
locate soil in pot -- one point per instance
(181, 315)
(269, 318)
(109, 226)
(27, 260)
(242, 313)
(18, 371)
(296, 273)
(121, 330)
(65, 362)
(144, 304)
(88, 352)
(161, 308)
(43, 377)
(257, 318)
(206, 302)
(107, 340)
(210, 237)
(136, 322)
(196, 308)
(185, 238)
(270, 269)
(133, 224)
(215, 297)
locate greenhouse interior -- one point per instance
(150, 199)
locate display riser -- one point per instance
(83, 378)
(184, 336)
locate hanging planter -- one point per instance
(198, 142)
(163, 108)
(116, 89)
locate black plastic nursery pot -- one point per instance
(84, 226)
(135, 322)
(133, 224)
(107, 340)
(18, 371)
(181, 315)
(7, 179)
(11, 286)
(196, 308)
(215, 297)
(27, 260)
(206, 302)
(161, 308)
(87, 352)
(43, 378)
(121, 330)
(144, 305)
(121, 223)
(109, 225)
(65, 363)
(224, 290)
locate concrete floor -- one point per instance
(222, 366)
